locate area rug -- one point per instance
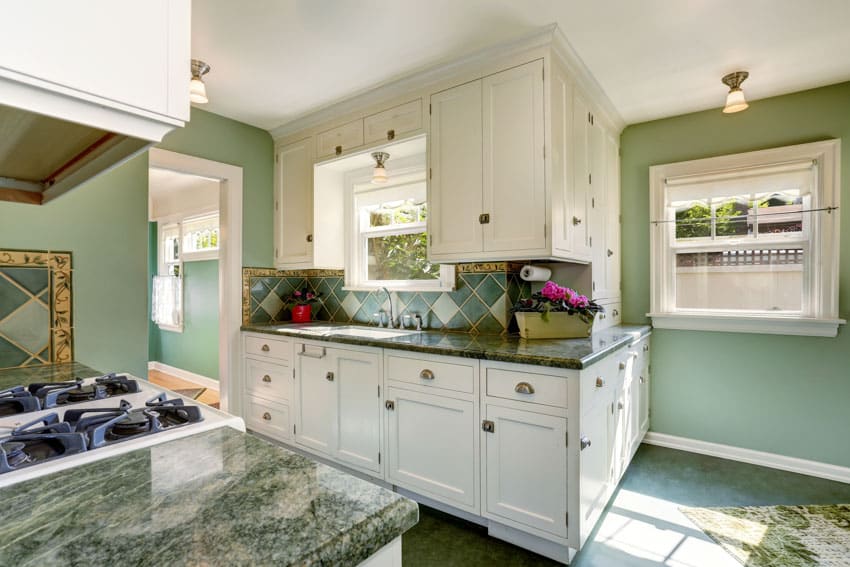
(772, 536)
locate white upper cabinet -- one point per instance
(612, 216)
(294, 205)
(130, 55)
(340, 139)
(514, 194)
(456, 171)
(393, 123)
(605, 213)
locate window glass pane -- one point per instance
(693, 219)
(732, 216)
(201, 233)
(749, 280)
(397, 213)
(400, 257)
(780, 212)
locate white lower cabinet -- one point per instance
(431, 446)
(337, 409)
(534, 452)
(525, 469)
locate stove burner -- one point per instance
(15, 453)
(137, 421)
(61, 393)
(17, 400)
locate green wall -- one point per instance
(104, 224)
(780, 394)
(220, 139)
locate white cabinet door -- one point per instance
(294, 204)
(581, 174)
(357, 376)
(394, 122)
(339, 139)
(514, 188)
(128, 52)
(612, 217)
(456, 177)
(593, 467)
(315, 399)
(643, 388)
(598, 214)
(526, 469)
(432, 447)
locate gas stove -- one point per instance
(48, 427)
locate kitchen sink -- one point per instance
(371, 332)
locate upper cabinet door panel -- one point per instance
(392, 123)
(339, 139)
(581, 171)
(456, 180)
(127, 52)
(294, 203)
(514, 187)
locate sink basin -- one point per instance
(371, 333)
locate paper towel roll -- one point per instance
(535, 274)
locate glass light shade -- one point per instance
(198, 91)
(735, 101)
(379, 175)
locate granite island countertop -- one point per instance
(557, 353)
(221, 497)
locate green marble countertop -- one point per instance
(10, 377)
(221, 497)
(557, 353)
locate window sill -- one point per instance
(802, 326)
(397, 288)
(200, 255)
(171, 328)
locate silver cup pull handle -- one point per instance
(426, 374)
(524, 388)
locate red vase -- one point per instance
(301, 313)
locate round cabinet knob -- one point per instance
(267, 416)
(610, 252)
(622, 366)
(265, 348)
(576, 221)
(585, 442)
(600, 382)
(524, 388)
(619, 405)
(267, 378)
(642, 379)
(645, 348)
(426, 375)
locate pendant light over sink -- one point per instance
(735, 101)
(197, 88)
(379, 174)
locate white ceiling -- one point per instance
(274, 61)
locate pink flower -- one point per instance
(297, 293)
(310, 295)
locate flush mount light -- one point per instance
(735, 101)
(379, 174)
(197, 89)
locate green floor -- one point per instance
(642, 525)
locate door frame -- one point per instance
(229, 262)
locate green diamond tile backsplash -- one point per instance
(480, 303)
(35, 308)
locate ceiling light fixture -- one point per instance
(197, 89)
(379, 174)
(735, 101)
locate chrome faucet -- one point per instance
(391, 322)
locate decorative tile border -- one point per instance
(55, 297)
(480, 304)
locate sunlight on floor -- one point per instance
(201, 394)
(642, 530)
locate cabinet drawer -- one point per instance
(598, 382)
(526, 387)
(268, 417)
(345, 137)
(266, 380)
(391, 123)
(611, 317)
(446, 375)
(273, 348)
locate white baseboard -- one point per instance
(185, 375)
(770, 460)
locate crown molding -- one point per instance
(421, 78)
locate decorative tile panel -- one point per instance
(36, 324)
(480, 304)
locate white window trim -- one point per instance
(823, 319)
(354, 281)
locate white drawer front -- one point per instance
(391, 123)
(267, 380)
(526, 387)
(446, 375)
(279, 349)
(611, 317)
(267, 417)
(345, 137)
